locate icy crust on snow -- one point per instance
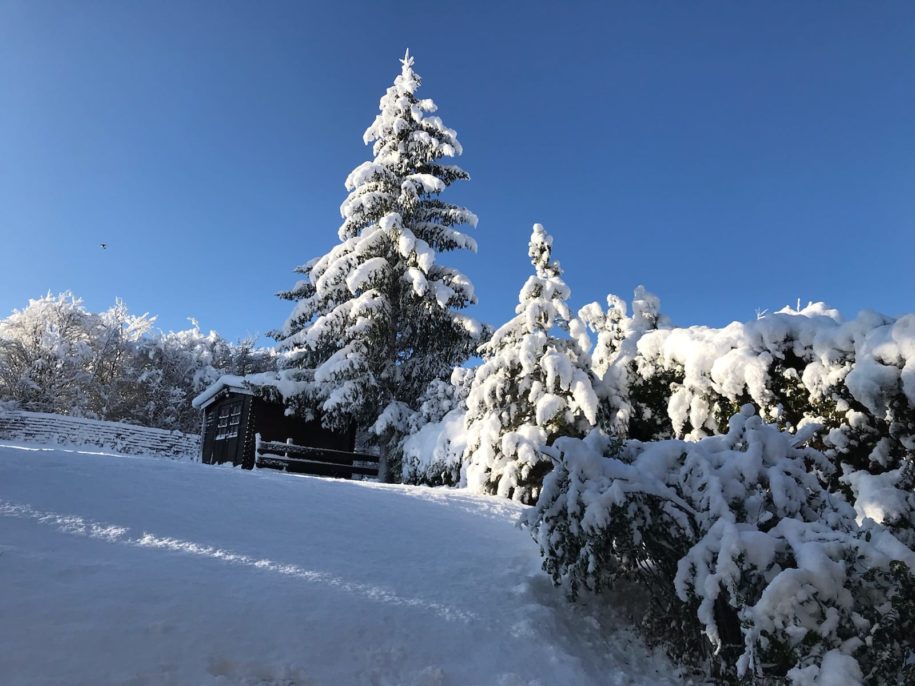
(531, 386)
(754, 527)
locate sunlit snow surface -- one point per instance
(134, 570)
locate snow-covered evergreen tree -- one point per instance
(532, 387)
(377, 318)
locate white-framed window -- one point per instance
(234, 420)
(223, 421)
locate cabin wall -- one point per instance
(231, 422)
(272, 423)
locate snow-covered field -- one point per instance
(137, 570)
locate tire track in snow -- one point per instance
(75, 525)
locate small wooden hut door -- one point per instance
(233, 429)
(226, 438)
(218, 451)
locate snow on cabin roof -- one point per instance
(251, 385)
(237, 384)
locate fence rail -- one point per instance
(129, 439)
(315, 461)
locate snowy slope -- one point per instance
(133, 570)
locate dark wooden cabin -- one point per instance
(234, 413)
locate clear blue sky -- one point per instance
(729, 156)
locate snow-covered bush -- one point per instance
(633, 404)
(377, 318)
(856, 378)
(532, 387)
(750, 561)
(432, 455)
(436, 439)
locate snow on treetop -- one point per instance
(540, 251)
(402, 121)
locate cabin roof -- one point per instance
(245, 385)
(252, 384)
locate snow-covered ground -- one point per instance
(137, 570)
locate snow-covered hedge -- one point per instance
(751, 562)
(855, 377)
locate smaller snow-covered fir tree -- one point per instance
(532, 387)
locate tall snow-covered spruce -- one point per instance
(377, 318)
(532, 387)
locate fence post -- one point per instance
(203, 435)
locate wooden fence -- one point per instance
(128, 439)
(315, 461)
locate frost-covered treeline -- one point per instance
(56, 356)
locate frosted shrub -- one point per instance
(798, 366)
(432, 452)
(750, 562)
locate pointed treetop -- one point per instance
(407, 61)
(540, 250)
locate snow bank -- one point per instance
(215, 576)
